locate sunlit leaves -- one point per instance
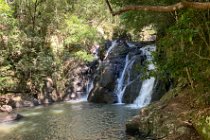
(4, 8)
(83, 55)
(78, 32)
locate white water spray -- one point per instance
(121, 83)
(145, 93)
(114, 44)
(89, 87)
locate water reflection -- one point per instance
(81, 121)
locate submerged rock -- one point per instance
(7, 117)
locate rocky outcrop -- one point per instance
(18, 100)
(170, 118)
(121, 58)
(78, 75)
(160, 88)
(103, 91)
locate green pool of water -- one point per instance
(67, 121)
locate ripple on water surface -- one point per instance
(65, 121)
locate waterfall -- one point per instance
(121, 83)
(114, 43)
(145, 93)
(89, 87)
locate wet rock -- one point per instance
(160, 88)
(18, 100)
(132, 90)
(102, 95)
(112, 67)
(79, 74)
(107, 78)
(120, 50)
(5, 117)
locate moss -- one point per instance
(203, 127)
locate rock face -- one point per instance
(160, 88)
(119, 72)
(17, 101)
(79, 74)
(104, 85)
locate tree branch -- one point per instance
(168, 8)
(201, 57)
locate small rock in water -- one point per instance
(6, 108)
(73, 95)
(7, 117)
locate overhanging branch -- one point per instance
(169, 8)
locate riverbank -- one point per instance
(176, 116)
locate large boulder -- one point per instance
(102, 95)
(103, 91)
(166, 119)
(161, 86)
(132, 91)
(107, 78)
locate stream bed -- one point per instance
(69, 121)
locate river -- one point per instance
(69, 121)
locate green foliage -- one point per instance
(4, 8)
(37, 37)
(78, 32)
(83, 55)
(136, 20)
(183, 45)
(184, 50)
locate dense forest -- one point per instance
(39, 38)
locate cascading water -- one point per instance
(145, 93)
(121, 83)
(114, 43)
(121, 60)
(89, 87)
